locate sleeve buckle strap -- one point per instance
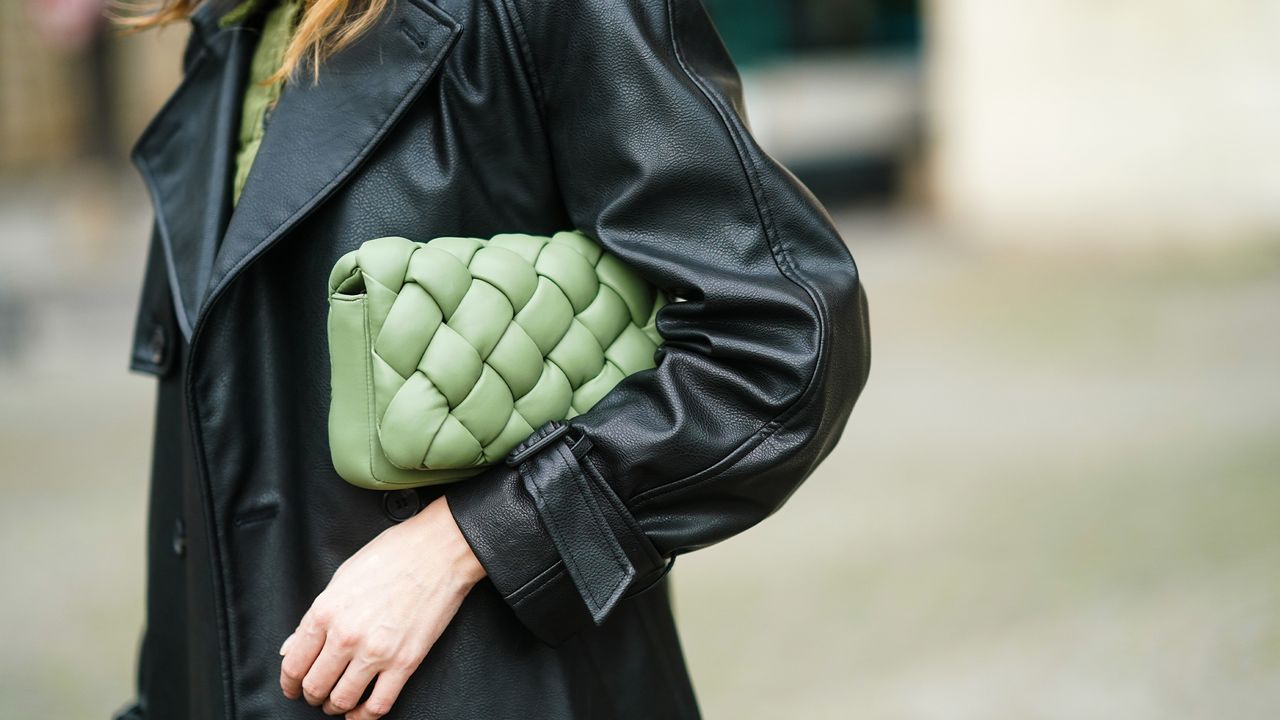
(551, 431)
(537, 441)
(570, 508)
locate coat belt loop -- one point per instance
(569, 506)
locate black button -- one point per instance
(400, 505)
(157, 345)
(179, 538)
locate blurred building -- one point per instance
(833, 90)
(1053, 123)
(1061, 122)
(69, 96)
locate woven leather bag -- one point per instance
(445, 355)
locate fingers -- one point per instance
(350, 688)
(329, 666)
(301, 651)
(385, 691)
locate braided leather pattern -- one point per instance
(472, 344)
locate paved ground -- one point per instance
(1058, 497)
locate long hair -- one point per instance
(325, 27)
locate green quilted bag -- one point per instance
(444, 355)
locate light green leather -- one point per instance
(446, 354)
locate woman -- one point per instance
(537, 588)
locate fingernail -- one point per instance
(285, 646)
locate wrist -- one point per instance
(456, 551)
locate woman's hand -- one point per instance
(383, 610)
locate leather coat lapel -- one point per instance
(185, 155)
(318, 134)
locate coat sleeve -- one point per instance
(764, 353)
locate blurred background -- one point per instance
(1059, 496)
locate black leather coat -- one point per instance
(622, 118)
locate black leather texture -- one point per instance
(472, 117)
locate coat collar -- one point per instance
(184, 157)
(319, 134)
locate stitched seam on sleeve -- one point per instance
(528, 66)
(781, 258)
(786, 267)
(554, 571)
